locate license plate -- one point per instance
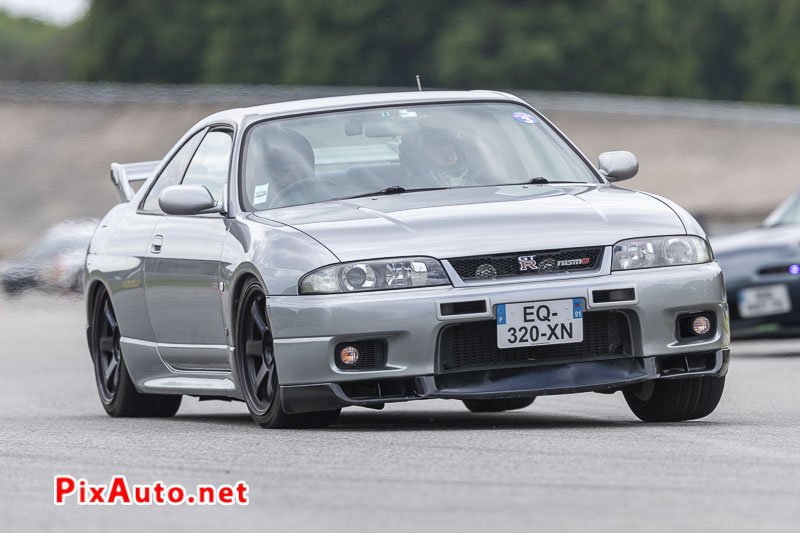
(764, 301)
(539, 323)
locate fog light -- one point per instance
(794, 270)
(701, 325)
(349, 355)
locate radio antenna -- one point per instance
(419, 84)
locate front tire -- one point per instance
(256, 369)
(676, 400)
(114, 385)
(497, 405)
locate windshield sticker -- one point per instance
(260, 194)
(405, 113)
(385, 114)
(525, 118)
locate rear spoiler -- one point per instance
(123, 175)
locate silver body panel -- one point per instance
(310, 331)
(460, 222)
(175, 305)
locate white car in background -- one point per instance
(54, 262)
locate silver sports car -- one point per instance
(312, 255)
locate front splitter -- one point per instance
(563, 378)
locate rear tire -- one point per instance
(676, 400)
(497, 405)
(256, 367)
(114, 385)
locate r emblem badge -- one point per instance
(527, 262)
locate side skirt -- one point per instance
(151, 374)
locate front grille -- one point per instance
(473, 345)
(538, 262)
(371, 354)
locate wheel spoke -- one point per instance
(254, 349)
(270, 386)
(110, 370)
(261, 375)
(106, 344)
(258, 317)
(110, 316)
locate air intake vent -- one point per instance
(473, 345)
(614, 295)
(463, 308)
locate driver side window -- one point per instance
(209, 166)
(172, 173)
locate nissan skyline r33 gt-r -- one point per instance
(312, 255)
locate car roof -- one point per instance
(294, 107)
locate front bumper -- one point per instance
(564, 378)
(410, 321)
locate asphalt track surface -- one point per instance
(567, 463)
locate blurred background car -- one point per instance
(53, 262)
(762, 274)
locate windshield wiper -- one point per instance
(394, 189)
(541, 180)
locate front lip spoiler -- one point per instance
(565, 378)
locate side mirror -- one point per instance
(618, 166)
(188, 200)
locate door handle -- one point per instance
(155, 246)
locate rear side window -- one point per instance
(209, 166)
(172, 173)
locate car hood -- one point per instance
(480, 220)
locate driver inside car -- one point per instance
(286, 158)
(435, 154)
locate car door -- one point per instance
(182, 268)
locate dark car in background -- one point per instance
(53, 262)
(762, 275)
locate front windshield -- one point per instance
(786, 214)
(339, 155)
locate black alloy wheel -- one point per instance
(114, 385)
(259, 377)
(108, 354)
(256, 368)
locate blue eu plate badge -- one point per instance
(501, 314)
(577, 308)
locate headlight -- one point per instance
(378, 275)
(653, 252)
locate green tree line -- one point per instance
(718, 49)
